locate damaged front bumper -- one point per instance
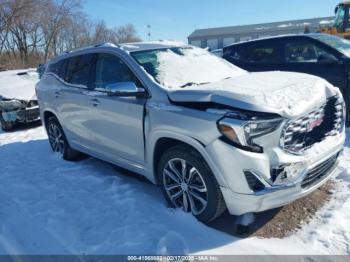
(23, 116)
(309, 172)
(19, 111)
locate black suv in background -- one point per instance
(322, 55)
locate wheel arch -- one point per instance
(162, 141)
(46, 115)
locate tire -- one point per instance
(6, 126)
(197, 191)
(58, 140)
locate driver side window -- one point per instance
(303, 52)
(111, 70)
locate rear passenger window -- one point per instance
(232, 53)
(254, 54)
(110, 70)
(78, 70)
(259, 54)
(57, 68)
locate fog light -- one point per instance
(253, 182)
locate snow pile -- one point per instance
(49, 206)
(195, 65)
(18, 86)
(289, 93)
(324, 146)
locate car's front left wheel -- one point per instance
(58, 140)
(188, 183)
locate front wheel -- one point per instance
(188, 183)
(58, 140)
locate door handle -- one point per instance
(57, 94)
(95, 102)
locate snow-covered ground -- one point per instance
(49, 206)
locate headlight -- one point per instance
(242, 133)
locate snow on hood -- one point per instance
(15, 86)
(288, 94)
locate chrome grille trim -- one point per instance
(333, 109)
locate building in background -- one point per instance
(215, 38)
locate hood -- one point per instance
(18, 84)
(287, 94)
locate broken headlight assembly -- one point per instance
(241, 130)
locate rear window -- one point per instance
(78, 70)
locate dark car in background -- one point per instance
(322, 55)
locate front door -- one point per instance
(305, 56)
(116, 122)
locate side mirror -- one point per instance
(336, 9)
(125, 89)
(327, 59)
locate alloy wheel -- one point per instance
(185, 186)
(56, 138)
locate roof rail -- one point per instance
(106, 44)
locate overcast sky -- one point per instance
(176, 19)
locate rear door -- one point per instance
(75, 106)
(255, 56)
(304, 55)
(116, 122)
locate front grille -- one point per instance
(302, 133)
(318, 172)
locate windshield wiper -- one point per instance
(192, 83)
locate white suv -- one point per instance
(212, 135)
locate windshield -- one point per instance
(179, 67)
(339, 18)
(342, 45)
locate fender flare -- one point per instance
(156, 135)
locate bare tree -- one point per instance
(57, 16)
(36, 30)
(126, 34)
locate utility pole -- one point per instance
(149, 32)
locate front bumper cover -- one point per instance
(23, 115)
(278, 196)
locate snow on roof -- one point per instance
(285, 25)
(141, 46)
(326, 22)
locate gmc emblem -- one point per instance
(314, 123)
